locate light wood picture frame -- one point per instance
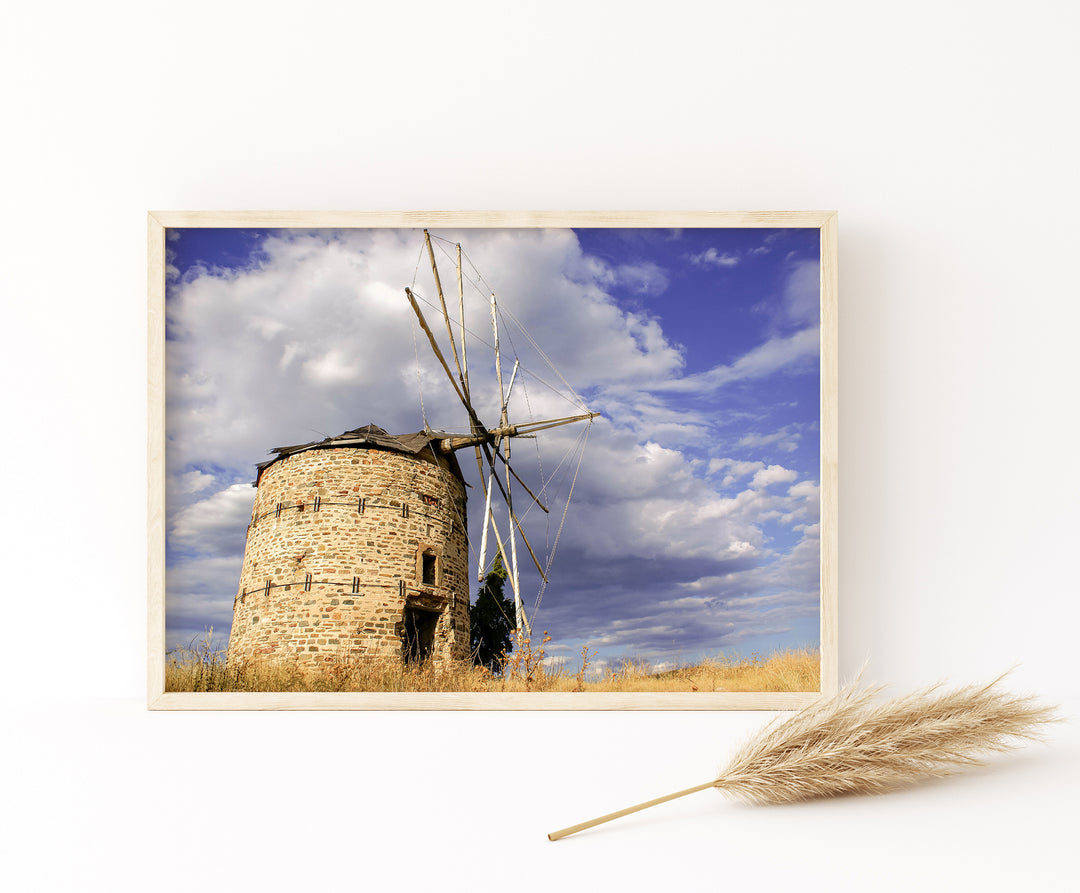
(716, 502)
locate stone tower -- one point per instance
(357, 547)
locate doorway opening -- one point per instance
(419, 633)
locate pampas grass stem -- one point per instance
(573, 829)
(852, 745)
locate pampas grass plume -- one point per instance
(852, 744)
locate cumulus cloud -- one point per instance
(217, 525)
(780, 353)
(735, 469)
(199, 594)
(641, 279)
(787, 439)
(713, 258)
(802, 293)
(774, 474)
(195, 481)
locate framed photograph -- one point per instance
(492, 460)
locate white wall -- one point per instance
(945, 134)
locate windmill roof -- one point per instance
(371, 437)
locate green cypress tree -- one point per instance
(491, 619)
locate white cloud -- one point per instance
(736, 469)
(786, 439)
(319, 338)
(776, 355)
(195, 481)
(330, 369)
(805, 490)
(657, 499)
(802, 294)
(216, 525)
(199, 595)
(712, 258)
(774, 474)
(643, 279)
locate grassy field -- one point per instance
(526, 669)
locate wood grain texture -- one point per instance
(830, 449)
(158, 699)
(476, 219)
(155, 459)
(482, 701)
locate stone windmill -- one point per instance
(358, 544)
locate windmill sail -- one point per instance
(491, 443)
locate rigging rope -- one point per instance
(508, 316)
(419, 384)
(416, 353)
(539, 464)
(545, 484)
(416, 269)
(544, 357)
(584, 438)
(479, 275)
(578, 403)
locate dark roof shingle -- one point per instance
(371, 436)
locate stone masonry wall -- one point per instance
(334, 557)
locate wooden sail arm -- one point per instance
(461, 316)
(508, 501)
(517, 524)
(478, 425)
(510, 387)
(491, 464)
(446, 316)
(451, 444)
(458, 442)
(544, 424)
(498, 539)
(510, 468)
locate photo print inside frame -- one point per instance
(492, 460)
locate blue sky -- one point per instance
(693, 528)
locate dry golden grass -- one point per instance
(526, 669)
(793, 670)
